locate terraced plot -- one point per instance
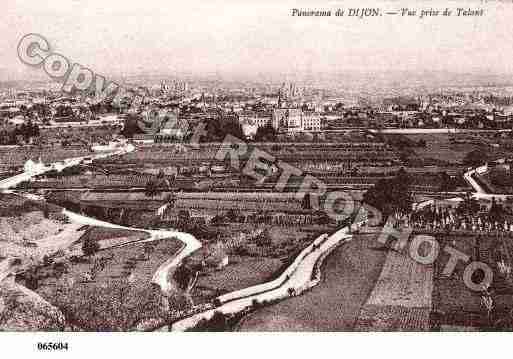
(401, 299)
(349, 275)
(393, 318)
(403, 282)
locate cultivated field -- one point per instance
(10, 158)
(393, 318)
(251, 262)
(241, 272)
(403, 282)
(457, 307)
(438, 147)
(23, 310)
(110, 291)
(348, 277)
(107, 237)
(401, 299)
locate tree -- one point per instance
(171, 199)
(476, 158)
(306, 202)
(152, 188)
(148, 250)
(496, 212)
(265, 133)
(183, 275)
(446, 183)
(264, 238)
(469, 206)
(31, 279)
(322, 218)
(218, 323)
(184, 217)
(90, 246)
(118, 306)
(232, 215)
(391, 196)
(218, 219)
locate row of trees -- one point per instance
(19, 134)
(391, 196)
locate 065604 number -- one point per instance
(52, 346)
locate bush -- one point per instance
(255, 304)
(476, 158)
(120, 306)
(31, 280)
(90, 246)
(218, 323)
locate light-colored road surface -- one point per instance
(298, 276)
(276, 282)
(299, 279)
(5, 268)
(161, 275)
(471, 181)
(60, 165)
(480, 192)
(410, 131)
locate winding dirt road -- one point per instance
(161, 275)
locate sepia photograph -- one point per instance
(255, 167)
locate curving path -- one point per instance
(260, 288)
(160, 277)
(299, 278)
(480, 192)
(7, 183)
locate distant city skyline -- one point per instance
(238, 40)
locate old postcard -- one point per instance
(255, 166)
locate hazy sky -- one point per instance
(259, 36)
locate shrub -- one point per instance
(90, 246)
(255, 303)
(120, 306)
(218, 323)
(31, 280)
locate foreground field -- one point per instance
(111, 291)
(349, 275)
(250, 261)
(107, 237)
(393, 318)
(242, 272)
(31, 230)
(401, 299)
(23, 310)
(455, 306)
(403, 282)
